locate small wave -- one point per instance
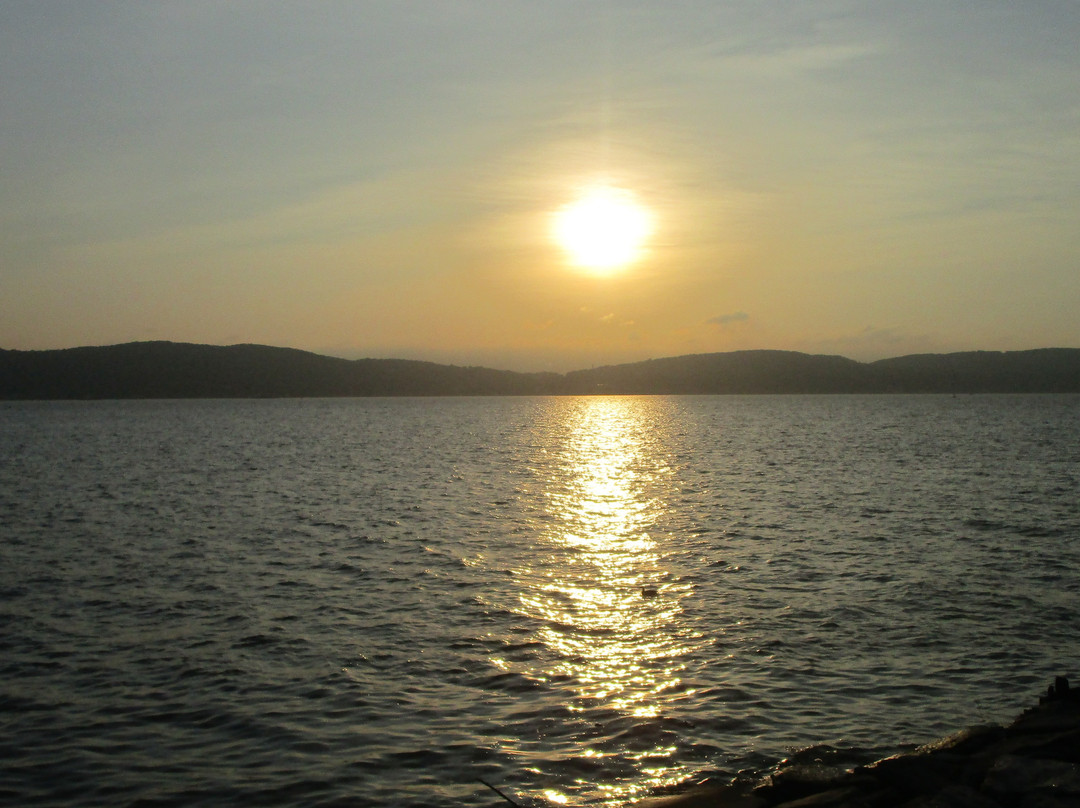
(522, 646)
(257, 641)
(508, 682)
(727, 695)
(330, 524)
(1040, 531)
(984, 524)
(345, 566)
(416, 758)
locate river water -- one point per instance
(577, 600)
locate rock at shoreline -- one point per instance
(1034, 762)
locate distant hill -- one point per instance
(181, 370)
(1048, 370)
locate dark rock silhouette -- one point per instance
(181, 370)
(1034, 762)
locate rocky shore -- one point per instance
(1034, 762)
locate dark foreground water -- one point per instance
(379, 602)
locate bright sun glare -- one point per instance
(604, 229)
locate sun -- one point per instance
(604, 229)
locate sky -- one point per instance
(380, 178)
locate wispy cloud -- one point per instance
(727, 319)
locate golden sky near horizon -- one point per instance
(386, 178)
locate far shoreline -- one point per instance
(167, 370)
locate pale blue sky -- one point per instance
(378, 178)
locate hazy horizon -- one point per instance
(384, 179)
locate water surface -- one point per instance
(381, 601)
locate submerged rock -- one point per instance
(1034, 762)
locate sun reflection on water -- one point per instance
(605, 605)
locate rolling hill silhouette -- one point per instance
(183, 370)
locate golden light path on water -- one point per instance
(607, 609)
